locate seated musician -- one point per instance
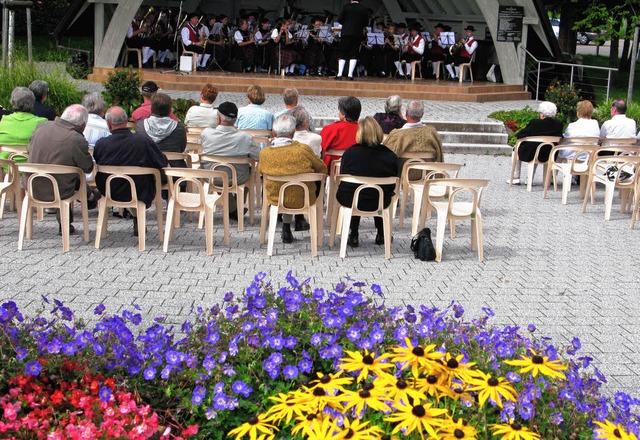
(437, 48)
(314, 53)
(138, 37)
(401, 43)
(245, 48)
(284, 55)
(216, 41)
(415, 49)
(163, 33)
(191, 38)
(390, 50)
(263, 54)
(469, 46)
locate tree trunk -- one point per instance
(567, 36)
(625, 58)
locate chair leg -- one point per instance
(346, 221)
(531, 171)
(320, 224)
(168, 225)
(566, 187)
(225, 220)
(479, 237)
(273, 221)
(547, 180)
(608, 201)
(23, 221)
(332, 229)
(418, 218)
(441, 225)
(474, 236)
(240, 208)
(3, 200)
(386, 226)
(85, 220)
(159, 218)
(313, 223)
(142, 226)
(208, 229)
(64, 225)
(589, 187)
(263, 222)
(403, 206)
(102, 210)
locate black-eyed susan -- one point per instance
(434, 385)
(456, 429)
(414, 356)
(288, 406)
(305, 422)
(357, 430)
(610, 431)
(399, 390)
(456, 368)
(331, 382)
(494, 388)
(319, 398)
(365, 364)
(367, 396)
(323, 429)
(539, 364)
(460, 391)
(256, 428)
(514, 431)
(419, 417)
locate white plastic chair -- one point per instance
(314, 211)
(531, 166)
(10, 186)
(450, 209)
(578, 165)
(468, 67)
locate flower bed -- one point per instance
(297, 362)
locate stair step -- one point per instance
(473, 137)
(465, 148)
(457, 126)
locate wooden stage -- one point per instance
(430, 90)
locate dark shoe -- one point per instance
(380, 239)
(287, 236)
(350, 78)
(72, 230)
(135, 227)
(301, 223)
(353, 240)
(92, 201)
(279, 218)
(234, 215)
(338, 78)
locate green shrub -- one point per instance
(62, 92)
(515, 120)
(122, 88)
(566, 98)
(602, 112)
(181, 106)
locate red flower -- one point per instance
(191, 430)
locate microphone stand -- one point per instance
(175, 38)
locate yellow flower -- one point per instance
(514, 431)
(323, 429)
(418, 417)
(256, 427)
(460, 391)
(331, 382)
(399, 390)
(414, 356)
(354, 430)
(494, 388)
(365, 364)
(288, 406)
(319, 398)
(457, 368)
(456, 430)
(305, 422)
(369, 396)
(609, 431)
(433, 385)
(539, 364)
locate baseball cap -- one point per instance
(228, 109)
(149, 87)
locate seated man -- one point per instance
(227, 140)
(254, 116)
(169, 135)
(97, 127)
(60, 142)
(193, 40)
(469, 46)
(124, 148)
(290, 98)
(287, 157)
(302, 134)
(16, 128)
(147, 90)
(414, 136)
(203, 115)
(619, 126)
(40, 90)
(341, 134)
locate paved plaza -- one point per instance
(570, 274)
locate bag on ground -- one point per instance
(422, 246)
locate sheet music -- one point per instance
(375, 38)
(427, 37)
(325, 34)
(447, 38)
(397, 40)
(303, 34)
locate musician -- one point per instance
(415, 49)
(192, 40)
(138, 36)
(283, 39)
(221, 28)
(353, 18)
(438, 49)
(314, 54)
(390, 50)
(469, 46)
(265, 49)
(163, 34)
(245, 47)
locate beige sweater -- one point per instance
(415, 140)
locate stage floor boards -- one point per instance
(364, 87)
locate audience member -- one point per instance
(203, 115)
(17, 128)
(583, 127)
(291, 101)
(60, 142)
(227, 140)
(392, 116)
(287, 157)
(367, 158)
(97, 127)
(414, 136)
(254, 116)
(40, 90)
(124, 148)
(169, 135)
(619, 126)
(341, 134)
(547, 125)
(147, 90)
(302, 134)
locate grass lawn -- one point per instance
(619, 88)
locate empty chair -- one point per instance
(406, 159)
(468, 66)
(10, 186)
(196, 198)
(44, 174)
(127, 174)
(576, 163)
(449, 209)
(313, 210)
(544, 143)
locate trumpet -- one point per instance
(454, 49)
(149, 12)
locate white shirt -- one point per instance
(186, 35)
(471, 45)
(419, 49)
(618, 127)
(412, 125)
(275, 32)
(96, 129)
(313, 140)
(581, 128)
(203, 115)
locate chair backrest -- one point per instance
(622, 163)
(201, 181)
(8, 171)
(457, 188)
(37, 171)
(431, 170)
(193, 148)
(625, 150)
(193, 138)
(333, 152)
(125, 173)
(374, 183)
(262, 141)
(582, 155)
(221, 163)
(259, 133)
(618, 142)
(540, 140)
(580, 141)
(425, 156)
(179, 156)
(192, 129)
(19, 149)
(299, 180)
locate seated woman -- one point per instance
(367, 158)
(254, 116)
(582, 128)
(392, 116)
(547, 125)
(284, 53)
(245, 47)
(16, 128)
(203, 115)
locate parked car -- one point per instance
(585, 37)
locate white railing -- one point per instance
(537, 72)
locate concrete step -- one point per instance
(465, 148)
(473, 137)
(457, 126)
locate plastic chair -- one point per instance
(196, 200)
(409, 158)
(125, 55)
(38, 172)
(618, 142)
(579, 141)
(416, 65)
(334, 171)
(346, 213)
(10, 186)
(124, 173)
(193, 138)
(531, 166)
(578, 165)
(440, 67)
(192, 129)
(467, 66)
(429, 171)
(193, 55)
(449, 209)
(258, 133)
(314, 211)
(224, 163)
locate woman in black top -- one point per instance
(367, 158)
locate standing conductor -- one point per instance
(353, 18)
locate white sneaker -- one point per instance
(513, 182)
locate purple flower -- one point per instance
(149, 373)
(272, 316)
(557, 419)
(33, 368)
(198, 395)
(488, 311)
(290, 372)
(99, 310)
(228, 370)
(353, 334)
(526, 411)
(172, 357)
(220, 401)
(318, 294)
(166, 372)
(290, 342)
(105, 394)
(305, 365)
(241, 388)
(375, 288)
(218, 388)
(228, 296)
(400, 333)
(98, 349)
(259, 277)
(531, 328)
(316, 339)
(247, 326)
(513, 377)
(458, 311)
(209, 363)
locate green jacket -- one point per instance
(16, 128)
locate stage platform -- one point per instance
(365, 87)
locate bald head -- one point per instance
(116, 118)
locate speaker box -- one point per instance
(235, 66)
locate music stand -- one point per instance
(447, 38)
(324, 34)
(427, 37)
(375, 39)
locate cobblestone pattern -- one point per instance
(570, 274)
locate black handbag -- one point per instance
(422, 246)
